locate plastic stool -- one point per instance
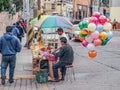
(69, 70)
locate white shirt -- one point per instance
(63, 35)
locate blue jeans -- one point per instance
(62, 69)
(8, 60)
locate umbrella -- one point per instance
(32, 22)
(54, 22)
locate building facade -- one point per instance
(102, 6)
(53, 7)
(81, 9)
(69, 9)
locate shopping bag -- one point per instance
(44, 64)
(42, 76)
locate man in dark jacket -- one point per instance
(9, 46)
(66, 57)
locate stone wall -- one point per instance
(6, 19)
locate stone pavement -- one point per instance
(100, 73)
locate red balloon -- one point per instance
(102, 19)
(93, 20)
(96, 14)
(92, 53)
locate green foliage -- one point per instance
(6, 5)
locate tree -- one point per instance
(5, 5)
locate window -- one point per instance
(53, 6)
(44, 5)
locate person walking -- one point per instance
(66, 57)
(9, 46)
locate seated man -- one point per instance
(66, 56)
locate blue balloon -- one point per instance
(100, 27)
(85, 19)
(110, 35)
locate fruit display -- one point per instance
(40, 52)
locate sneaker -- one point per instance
(3, 80)
(11, 81)
(55, 80)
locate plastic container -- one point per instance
(52, 58)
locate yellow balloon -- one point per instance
(107, 26)
(92, 27)
(103, 35)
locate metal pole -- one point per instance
(61, 7)
(73, 9)
(28, 17)
(23, 9)
(28, 11)
(91, 6)
(39, 7)
(39, 16)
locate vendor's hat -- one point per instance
(63, 39)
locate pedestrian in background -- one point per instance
(61, 33)
(114, 24)
(9, 46)
(21, 31)
(66, 57)
(15, 30)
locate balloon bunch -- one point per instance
(95, 31)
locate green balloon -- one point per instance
(81, 25)
(104, 42)
(85, 24)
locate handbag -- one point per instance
(41, 76)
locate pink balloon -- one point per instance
(95, 35)
(89, 39)
(108, 20)
(96, 14)
(84, 43)
(97, 42)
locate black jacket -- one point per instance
(65, 54)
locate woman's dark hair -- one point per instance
(8, 29)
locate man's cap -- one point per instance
(63, 39)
